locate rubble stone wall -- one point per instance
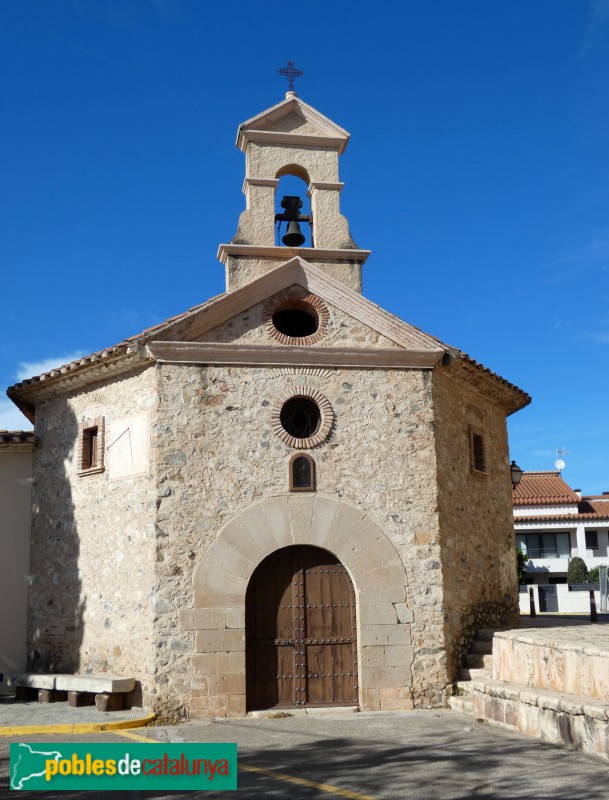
(476, 527)
(220, 456)
(93, 591)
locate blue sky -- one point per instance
(477, 173)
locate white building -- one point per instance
(16, 452)
(554, 523)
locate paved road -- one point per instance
(427, 755)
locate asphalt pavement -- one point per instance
(426, 754)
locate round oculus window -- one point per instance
(302, 417)
(296, 322)
(296, 317)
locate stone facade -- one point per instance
(145, 574)
(93, 593)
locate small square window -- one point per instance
(591, 540)
(91, 447)
(477, 452)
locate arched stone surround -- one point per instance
(221, 578)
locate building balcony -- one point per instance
(549, 552)
(590, 553)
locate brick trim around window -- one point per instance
(90, 449)
(326, 413)
(477, 452)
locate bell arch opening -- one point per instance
(300, 631)
(293, 183)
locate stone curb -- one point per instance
(542, 698)
(77, 727)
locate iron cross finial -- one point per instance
(290, 72)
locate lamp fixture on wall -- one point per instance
(516, 474)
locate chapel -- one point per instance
(284, 497)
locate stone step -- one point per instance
(565, 719)
(473, 673)
(462, 703)
(481, 646)
(468, 686)
(478, 660)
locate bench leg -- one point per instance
(77, 699)
(51, 696)
(109, 702)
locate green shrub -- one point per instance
(578, 571)
(521, 560)
(593, 575)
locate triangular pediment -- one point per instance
(292, 117)
(297, 272)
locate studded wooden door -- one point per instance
(301, 647)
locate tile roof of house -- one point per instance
(543, 489)
(17, 437)
(548, 488)
(550, 518)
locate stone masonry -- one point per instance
(144, 573)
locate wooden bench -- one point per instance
(106, 692)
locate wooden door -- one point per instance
(301, 646)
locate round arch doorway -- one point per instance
(300, 634)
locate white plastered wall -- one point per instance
(15, 521)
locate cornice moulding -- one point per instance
(487, 384)
(290, 139)
(272, 182)
(324, 185)
(292, 355)
(286, 253)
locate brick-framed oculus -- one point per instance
(302, 417)
(296, 317)
(90, 447)
(128, 447)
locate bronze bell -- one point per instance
(294, 236)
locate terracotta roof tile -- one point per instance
(114, 350)
(562, 517)
(543, 489)
(16, 437)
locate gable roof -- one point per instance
(543, 489)
(194, 322)
(300, 272)
(266, 126)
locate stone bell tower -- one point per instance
(291, 138)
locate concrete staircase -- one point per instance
(478, 665)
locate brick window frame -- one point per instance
(478, 460)
(326, 423)
(298, 300)
(91, 432)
